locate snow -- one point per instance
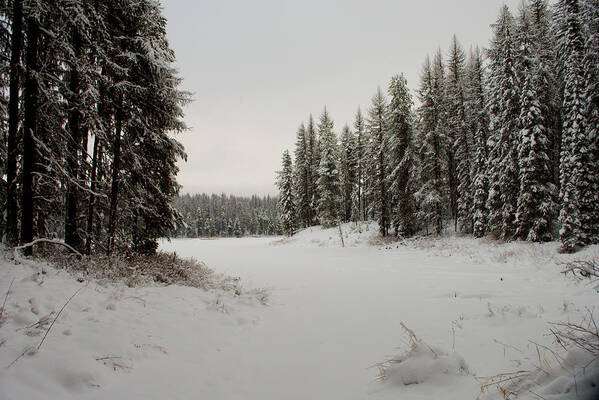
(334, 313)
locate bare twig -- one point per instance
(58, 315)
(5, 298)
(341, 236)
(579, 335)
(583, 268)
(19, 357)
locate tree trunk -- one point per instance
(116, 165)
(29, 130)
(71, 228)
(12, 234)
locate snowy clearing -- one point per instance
(333, 315)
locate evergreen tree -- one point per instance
(577, 192)
(378, 193)
(431, 195)
(534, 218)
(347, 167)
(399, 144)
(504, 109)
(446, 136)
(329, 180)
(313, 155)
(459, 136)
(547, 78)
(361, 162)
(479, 123)
(16, 47)
(287, 208)
(302, 176)
(590, 15)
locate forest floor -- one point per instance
(447, 314)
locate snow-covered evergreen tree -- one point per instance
(302, 178)
(445, 135)
(399, 144)
(361, 139)
(504, 109)
(547, 78)
(431, 194)
(287, 209)
(478, 122)
(577, 193)
(378, 194)
(313, 155)
(535, 213)
(459, 136)
(329, 179)
(347, 169)
(590, 15)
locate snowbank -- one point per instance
(355, 234)
(55, 348)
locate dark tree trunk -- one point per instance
(12, 234)
(71, 228)
(29, 130)
(116, 166)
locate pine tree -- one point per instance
(361, 162)
(377, 162)
(431, 195)
(287, 208)
(459, 136)
(313, 155)
(547, 79)
(504, 109)
(30, 123)
(446, 136)
(590, 15)
(329, 180)
(577, 192)
(535, 213)
(399, 144)
(478, 123)
(16, 47)
(302, 176)
(347, 167)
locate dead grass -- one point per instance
(142, 270)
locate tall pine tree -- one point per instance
(377, 162)
(399, 144)
(287, 210)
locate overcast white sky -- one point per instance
(258, 68)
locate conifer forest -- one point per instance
(502, 141)
(89, 105)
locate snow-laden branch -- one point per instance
(51, 241)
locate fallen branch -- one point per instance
(51, 241)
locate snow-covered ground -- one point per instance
(476, 307)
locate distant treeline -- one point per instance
(205, 215)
